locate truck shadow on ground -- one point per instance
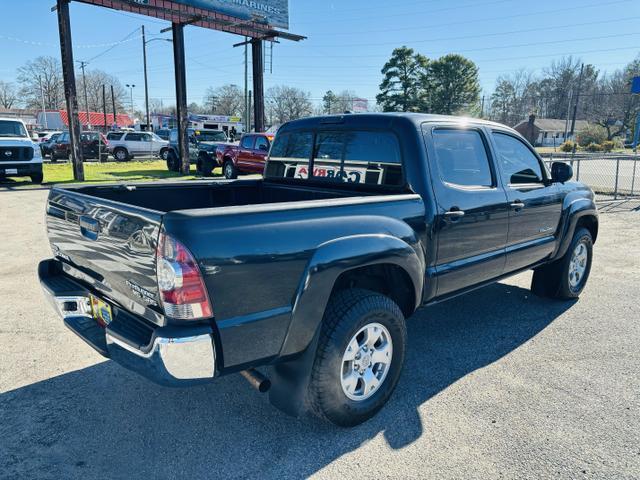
(106, 422)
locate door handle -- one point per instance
(454, 213)
(517, 205)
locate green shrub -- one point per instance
(592, 134)
(608, 145)
(567, 146)
(594, 147)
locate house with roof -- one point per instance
(547, 132)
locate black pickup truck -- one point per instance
(311, 271)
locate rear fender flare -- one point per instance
(334, 258)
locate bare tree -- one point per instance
(287, 103)
(95, 80)
(41, 81)
(225, 100)
(8, 95)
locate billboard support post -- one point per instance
(258, 84)
(181, 97)
(66, 52)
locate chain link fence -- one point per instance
(610, 175)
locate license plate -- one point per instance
(101, 311)
(11, 171)
(350, 174)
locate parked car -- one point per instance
(93, 144)
(127, 145)
(313, 269)
(47, 145)
(19, 154)
(248, 156)
(202, 145)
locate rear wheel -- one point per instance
(566, 277)
(121, 154)
(229, 170)
(359, 358)
(164, 154)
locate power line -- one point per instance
(114, 46)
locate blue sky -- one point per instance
(348, 41)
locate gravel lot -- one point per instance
(497, 384)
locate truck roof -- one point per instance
(383, 120)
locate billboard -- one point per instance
(274, 12)
(635, 85)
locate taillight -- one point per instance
(180, 283)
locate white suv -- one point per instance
(125, 145)
(19, 155)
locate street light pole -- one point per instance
(131, 87)
(146, 80)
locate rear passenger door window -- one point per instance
(461, 158)
(289, 156)
(518, 164)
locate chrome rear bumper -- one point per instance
(173, 356)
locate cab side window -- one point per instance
(247, 142)
(262, 144)
(462, 158)
(518, 164)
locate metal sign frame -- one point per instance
(179, 15)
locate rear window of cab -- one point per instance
(351, 156)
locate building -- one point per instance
(27, 116)
(547, 132)
(59, 120)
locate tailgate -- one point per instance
(110, 246)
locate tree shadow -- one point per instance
(106, 422)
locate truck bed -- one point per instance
(210, 194)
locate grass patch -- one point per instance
(94, 172)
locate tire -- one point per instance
(566, 277)
(164, 154)
(229, 170)
(104, 157)
(332, 396)
(173, 165)
(205, 165)
(121, 154)
(37, 178)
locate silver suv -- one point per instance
(126, 145)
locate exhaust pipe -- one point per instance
(256, 380)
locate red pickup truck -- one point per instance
(248, 156)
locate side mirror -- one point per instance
(561, 172)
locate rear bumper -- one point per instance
(172, 356)
(21, 168)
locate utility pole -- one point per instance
(575, 105)
(482, 108)
(146, 82)
(113, 104)
(104, 107)
(44, 111)
(84, 84)
(249, 114)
